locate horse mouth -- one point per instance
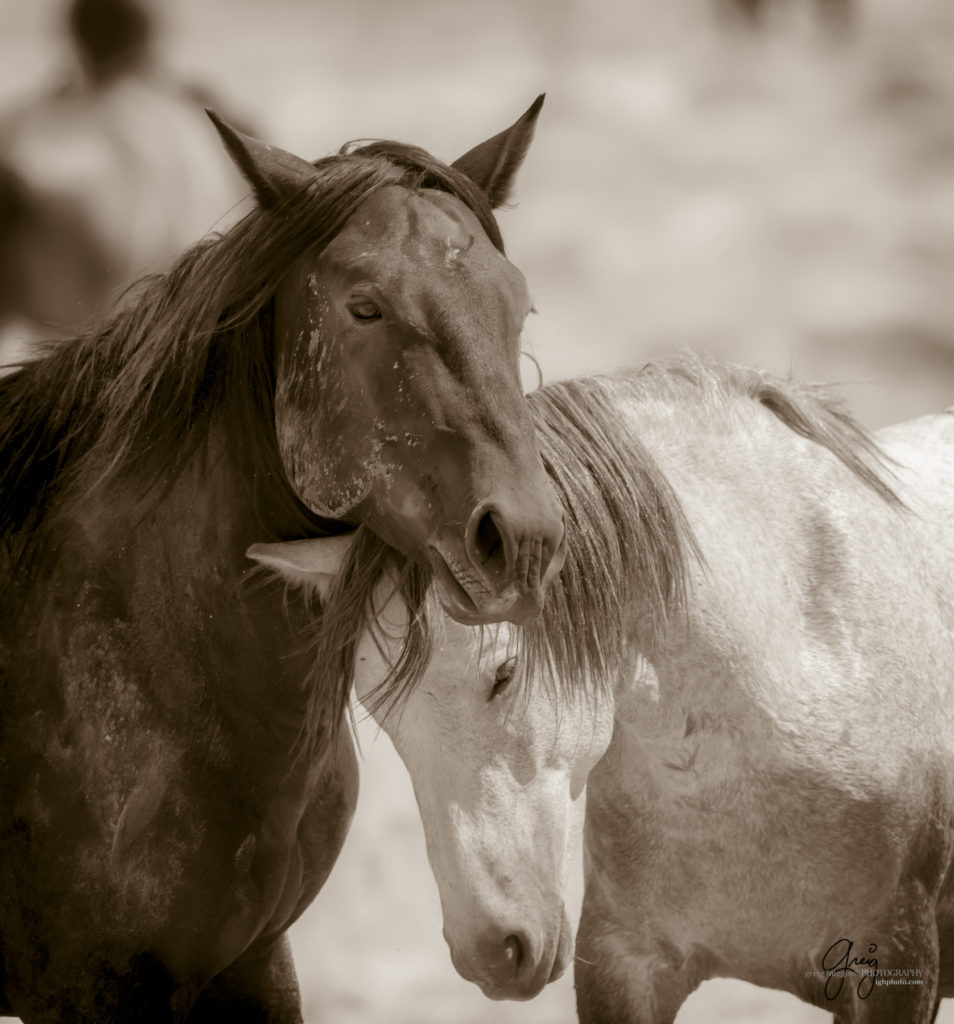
(541, 958)
(454, 596)
(467, 599)
(549, 970)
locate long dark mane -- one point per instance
(133, 399)
(137, 393)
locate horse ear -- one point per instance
(493, 164)
(313, 563)
(273, 173)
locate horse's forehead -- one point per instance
(423, 218)
(396, 228)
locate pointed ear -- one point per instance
(493, 164)
(313, 563)
(273, 173)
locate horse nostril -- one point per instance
(487, 539)
(513, 952)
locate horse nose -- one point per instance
(490, 541)
(510, 549)
(503, 966)
(484, 540)
(499, 961)
(513, 953)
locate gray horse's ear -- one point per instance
(493, 165)
(312, 563)
(273, 173)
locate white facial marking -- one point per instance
(498, 772)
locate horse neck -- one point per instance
(819, 626)
(192, 517)
(174, 574)
(772, 514)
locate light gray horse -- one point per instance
(759, 610)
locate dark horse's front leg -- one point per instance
(261, 987)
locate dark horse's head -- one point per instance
(398, 400)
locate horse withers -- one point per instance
(758, 608)
(176, 782)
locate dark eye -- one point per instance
(505, 672)
(364, 310)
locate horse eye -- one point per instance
(505, 672)
(364, 310)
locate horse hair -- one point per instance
(133, 399)
(811, 410)
(627, 541)
(629, 544)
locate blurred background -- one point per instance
(770, 180)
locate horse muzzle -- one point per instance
(505, 568)
(514, 963)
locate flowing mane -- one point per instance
(625, 530)
(813, 411)
(627, 537)
(133, 399)
(136, 394)
(624, 521)
(628, 541)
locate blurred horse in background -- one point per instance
(837, 17)
(109, 176)
(753, 636)
(176, 786)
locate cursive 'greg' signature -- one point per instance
(839, 962)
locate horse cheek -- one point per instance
(325, 464)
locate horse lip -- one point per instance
(517, 995)
(513, 605)
(517, 989)
(454, 598)
(555, 566)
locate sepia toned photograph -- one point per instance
(477, 512)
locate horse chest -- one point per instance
(282, 863)
(160, 824)
(753, 867)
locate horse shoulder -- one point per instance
(324, 826)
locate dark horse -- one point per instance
(174, 786)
